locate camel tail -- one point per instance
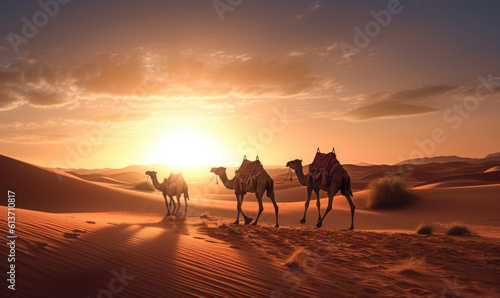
(270, 188)
(186, 194)
(346, 186)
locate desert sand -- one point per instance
(89, 233)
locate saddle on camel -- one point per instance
(323, 167)
(247, 174)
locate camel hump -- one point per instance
(175, 177)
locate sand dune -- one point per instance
(102, 227)
(208, 257)
(44, 190)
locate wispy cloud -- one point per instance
(406, 102)
(387, 109)
(36, 138)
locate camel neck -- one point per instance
(227, 183)
(156, 184)
(300, 175)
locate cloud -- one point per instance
(109, 74)
(421, 92)
(43, 98)
(316, 5)
(320, 51)
(130, 116)
(407, 102)
(27, 81)
(313, 7)
(36, 138)
(141, 75)
(8, 101)
(388, 109)
(258, 77)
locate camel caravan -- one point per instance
(324, 173)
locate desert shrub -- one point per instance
(458, 229)
(144, 187)
(388, 192)
(425, 229)
(412, 265)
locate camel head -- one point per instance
(218, 171)
(151, 173)
(294, 164)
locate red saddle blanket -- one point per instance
(247, 174)
(248, 168)
(324, 161)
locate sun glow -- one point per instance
(186, 148)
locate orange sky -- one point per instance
(102, 85)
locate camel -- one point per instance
(337, 182)
(177, 186)
(263, 183)
(161, 187)
(173, 186)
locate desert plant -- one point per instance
(388, 192)
(412, 265)
(425, 229)
(145, 187)
(458, 229)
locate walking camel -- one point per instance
(263, 183)
(338, 179)
(176, 186)
(161, 187)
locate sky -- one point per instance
(93, 84)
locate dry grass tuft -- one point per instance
(425, 229)
(388, 192)
(144, 187)
(458, 229)
(413, 265)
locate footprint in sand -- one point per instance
(416, 291)
(235, 247)
(90, 222)
(211, 241)
(196, 237)
(71, 235)
(370, 291)
(38, 245)
(79, 231)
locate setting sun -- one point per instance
(184, 148)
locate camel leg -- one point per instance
(185, 207)
(331, 193)
(259, 198)
(275, 208)
(237, 221)
(351, 204)
(318, 203)
(247, 219)
(172, 202)
(309, 191)
(166, 203)
(179, 204)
